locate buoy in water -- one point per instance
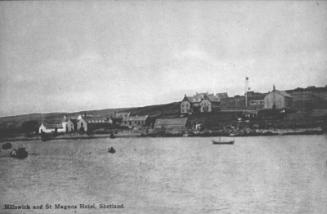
(19, 153)
(6, 146)
(111, 150)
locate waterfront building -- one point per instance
(171, 124)
(186, 107)
(81, 125)
(86, 123)
(233, 103)
(307, 99)
(320, 92)
(59, 126)
(255, 100)
(135, 121)
(48, 127)
(68, 124)
(277, 100)
(200, 102)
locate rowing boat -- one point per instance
(220, 141)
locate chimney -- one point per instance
(246, 91)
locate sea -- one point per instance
(256, 175)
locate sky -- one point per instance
(58, 56)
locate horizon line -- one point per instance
(140, 106)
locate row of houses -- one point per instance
(60, 126)
(174, 125)
(251, 103)
(85, 123)
(298, 99)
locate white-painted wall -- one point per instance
(274, 99)
(43, 129)
(68, 126)
(50, 130)
(81, 123)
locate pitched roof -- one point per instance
(186, 98)
(49, 125)
(198, 97)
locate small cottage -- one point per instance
(47, 128)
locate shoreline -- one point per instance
(268, 132)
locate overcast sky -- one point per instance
(70, 56)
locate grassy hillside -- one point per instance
(13, 125)
(171, 109)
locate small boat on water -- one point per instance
(223, 141)
(6, 146)
(19, 153)
(111, 150)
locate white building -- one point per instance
(68, 124)
(51, 128)
(64, 126)
(277, 100)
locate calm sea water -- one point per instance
(282, 174)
